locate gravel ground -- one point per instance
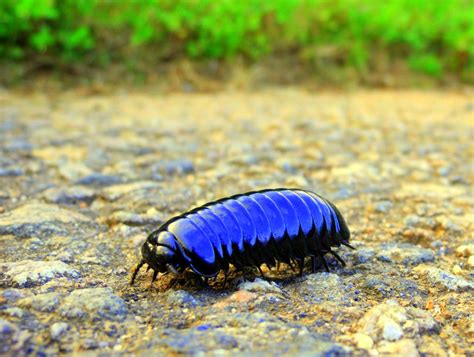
(84, 178)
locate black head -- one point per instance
(160, 252)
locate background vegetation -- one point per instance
(434, 37)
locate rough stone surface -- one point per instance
(42, 302)
(405, 253)
(93, 302)
(70, 195)
(445, 279)
(390, 322)
(173, 167)
(58, 329)
(8, 333)
(11, 172)
(327, 288)
(27, 273)
(363, 341)
(465, 250)
(405, 347)
(72, 170)
(260, 285)
(238, 331)
(470, 261)
(115, 192)
(98, 179)
(85, 177)
(181, 298)
(133, 219)
(39, 219)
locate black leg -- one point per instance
(172, 269)
(201, 281)
(348, 245)
(343, 263)
(325, 263)
(153, 278)
(313, 264)
(261, 272)
(172, 283)
(291, 266)
(135, 271)
(301, 266)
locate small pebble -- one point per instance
(465, 250)
(260, 285)
(98, 179)
(11, 172)
(405, 347)
(383, 206)
(470, 261)
(457, 269)
(240, 297)
(392, 331)
(6, 329)
(58, 329)
(181, 298)
(14, 312)
(363, 341)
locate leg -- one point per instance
(261, 272)
(301, 266)
(202, 282)
(291, 266)
(313, 264)
(244, 272)
(172, 283)
(172, 269)
(343, 263)
(325, 263)
(135, 271)
(153, 278)
(348, 245)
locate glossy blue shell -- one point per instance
(256, 228)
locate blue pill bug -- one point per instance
(247, 230)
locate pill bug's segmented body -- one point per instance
(250, 229)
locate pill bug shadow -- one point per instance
(247, 230)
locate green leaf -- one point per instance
(42, 39)
(426, 63)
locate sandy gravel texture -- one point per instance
(84, 178)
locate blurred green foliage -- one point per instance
(434, 37)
